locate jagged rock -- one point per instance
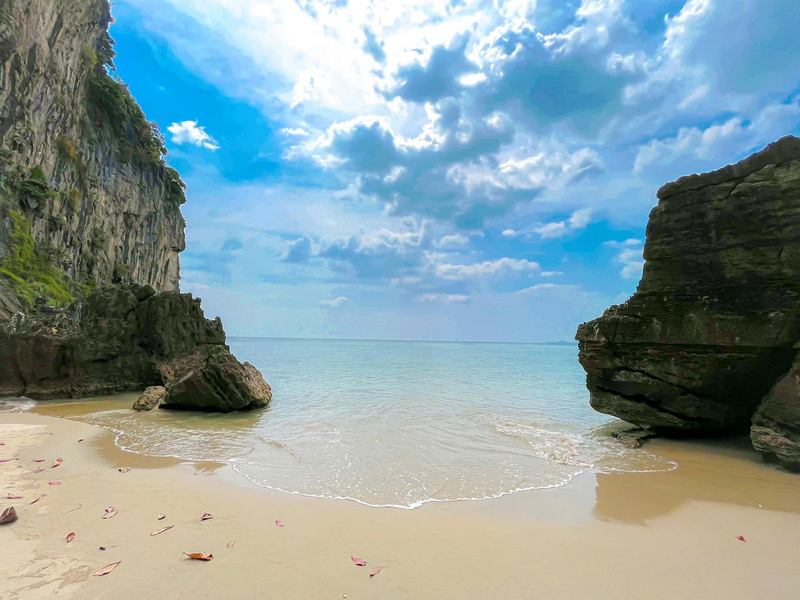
(776, 425)
(635, 437)
(151, 398)
(713, 323)
(212, 379)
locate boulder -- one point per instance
(713, 324)
(151, 398)
(776, 425)
(211, 379)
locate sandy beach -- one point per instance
(651, 535)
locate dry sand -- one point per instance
(649, 535)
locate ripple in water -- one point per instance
(398, 424)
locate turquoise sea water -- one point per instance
(399, 423)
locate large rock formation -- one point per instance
(90, 224)
(715, 320)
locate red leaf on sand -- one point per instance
(741, 538)
(38, 460)
(13, 497)
(70, 537)
(107, 569)
(53, 483)
(206, 517)
(57, 462)
(161, 516)
(199, 555)
(7, 460)
(375, 571)
(279, 524)
(2, 443)
(360, 562)
(167, 528)
(35, 501)
(110, 512)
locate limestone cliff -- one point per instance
(85, 197)
(91, 228)
(715, 320)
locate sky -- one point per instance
(475, 170)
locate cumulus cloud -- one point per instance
(579, 219)
(630, 255)
(300, 250)
(334, 303)
(188, 132)
(489, 268)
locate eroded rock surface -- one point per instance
(714, 322)
(151, 398)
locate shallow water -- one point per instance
(396, 423)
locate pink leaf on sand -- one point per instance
(39, 470)
(13, 497)
(161, 516)
(741, 538)
(206, 517)
(375, 571)
(53, 483)
(279, 524)
(107, 569)
(111, 512)
(2, 443)
(38, 460)
(70, 537)
(359, 562)
(35, 501)
(57, 462)
(7, 460)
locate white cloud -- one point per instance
(188, 132)
(490, 268)
(335, 302)
(446, 298)
(630, 255)
(579, 220)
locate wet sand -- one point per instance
(633, 535)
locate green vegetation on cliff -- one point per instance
(31, 271)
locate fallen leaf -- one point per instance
(230, 544)
(13, 497)
(53, 483)
(206, 517)
(741, 538)
(110, 512)
(70, 537)
(2, 443)
(125, 469)
(9, 515)
(35, 501)
(102, 547)
(7, 460)
(38, 460)
(360, 562)
(167, 528)
(199, 556)
(80, 440)
(279, 524)
(39, 470)
(375, 571)
(161, 516)
(107, 569)
(57, 462)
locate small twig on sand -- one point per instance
(80, 506)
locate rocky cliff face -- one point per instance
(714, 323)
(85, 198)
(91, 228)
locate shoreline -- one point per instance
(603, 535)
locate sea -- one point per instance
(397, 423)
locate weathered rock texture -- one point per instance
(91, 228)
(80, 169)
(152, 398)
(714, 322)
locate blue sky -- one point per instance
(443, 169)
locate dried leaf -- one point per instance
(13, 497)
(53, 483)
(70, 537)
(161, 516)
(375, 571)
(741, 538)
(279, 524)
(35, 501)
(38, 460)
(199, 556)
(57, 462)
(9, 515)
(206, 517)
(125, 469)
(80, 440)
(38, 470)
(107, 569)
(167, 528)
(7, 460)
(110, 512)
(360, 562)
(102, 547)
